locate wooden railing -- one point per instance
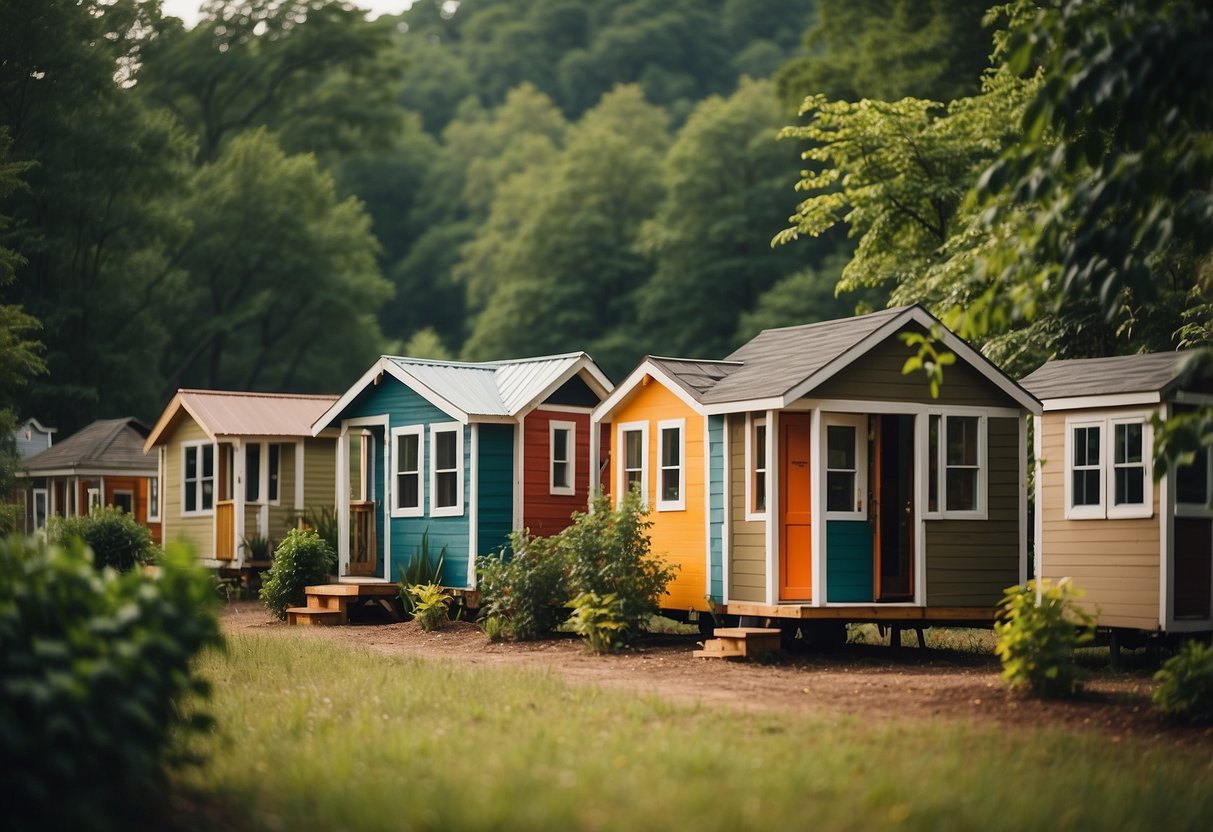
(225, 530)
(363, 542)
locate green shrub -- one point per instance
(495, 628)
(301, 560)
(598, 619)
(1036, 641)
(420, 569)
(323, 521)
(1186, 692)
(257, 547)
(115, 537)
(524, 587)
(429, 605)
(609, 553)
(95, 682)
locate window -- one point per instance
(256, 455)
(446, 470)
(41, 503)
(125, 500)
(408, 501)
(275, 454)
(94, 499)
(756, 465)
(671, 452)
(634, 453)
(1106, 472)
(846, 467)
(153, 499)
(956, 466)
(1192, 485)
(198, 478)
(562, 442)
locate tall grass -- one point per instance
(313, 736)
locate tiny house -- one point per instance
(238, 467)
(461, 452)
(827, 484)
(103, 464)
(1141, 550)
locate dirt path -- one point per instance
(864, 681)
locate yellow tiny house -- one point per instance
(1141, 550)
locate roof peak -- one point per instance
(891, 311)
(196, 391)
(483, 365)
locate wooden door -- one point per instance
(795, 511)
(893, 506)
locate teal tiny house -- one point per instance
(463, 451)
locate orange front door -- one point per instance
(795, 512)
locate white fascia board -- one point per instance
(88, 472)
(629, 384)
(723, 408)
(1095, 402)
(384, 365)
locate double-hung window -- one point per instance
(633, 459)
(956, 466)
(446, 470)
(671, 455)
(756, 466)
(1105, 468)
(197, 478)
(261, 464)
(153, 499)
(562, 440)
(407, 459)
(846, 467)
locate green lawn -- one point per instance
(314, 736)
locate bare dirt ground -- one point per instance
(870, 682)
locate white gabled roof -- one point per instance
(484, 390)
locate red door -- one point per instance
(795, 512)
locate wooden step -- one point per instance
(326, 602)
(740, 642)
(310, 617)
(378, 590)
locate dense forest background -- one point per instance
(272, 198)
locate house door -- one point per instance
(893, 509)
(366, 484)
(795, 513)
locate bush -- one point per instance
(1186, 692)
(429, 605)
(94, 681)
(420, 570)
(302, 559)
(115, 537)
(1036, 641)
(525, 588)
(598, 619)
(257, 547)
(609, 553)
(323, 521)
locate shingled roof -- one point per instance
(1116, 375)
(108, 445)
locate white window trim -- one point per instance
(186, 448)
(265, 471)
(571, 450)
(942, 512)
(41, 518)
(681, 426)
(752, 423)
(457, 509)
(860, 424)
(153, 500)
(1105, 509)
(621, 469)
(394, 488)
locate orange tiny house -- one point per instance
(1141, 550)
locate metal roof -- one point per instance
(1120, 374)
(776, 360)
(695, 376)
(232, 413)
(108, 444)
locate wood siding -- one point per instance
(196, 531)
(747, 538)
(678, 537)
(545, 513)
(716, 506)
(971, 562)
(1115, 562)
(495, 494)
(849, 561)
(877, 376)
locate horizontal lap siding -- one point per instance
(495, 491)
(747, 538)
(877, 376)
(971, 562)
(716, 504)
(319, 475)
(1114, 561)
(545, 513)
(283, 516)
(678, 537)
(198, 532)
(849, 561)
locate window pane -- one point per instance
(191, 463)
(1086, 446)
(446, 487)
(1192, 481)
(560, 444)
(840, 485)
(760, 493)
(633, 449)
(444, 450)
(1128, 443)
(406, 452)
(252, 473)
(962, 489)
(275, 452)
(1130, 486)
(208, 460)
(560, 474)
(633, 479)
(933, 463)
(408, 493)
(840, 447)
(669, 483)
(760, 447)
(208, 494)
(962, 442)
(1086, 488)
(669, 447)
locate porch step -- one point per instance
(739, 643)
(313, 617)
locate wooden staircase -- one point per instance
(328, 604)
(740, 643)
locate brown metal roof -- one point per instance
(106, 445)
(1116, 375)
(230, 413)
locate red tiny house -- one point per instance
(555, 472)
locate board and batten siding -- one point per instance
(678, 537)
(970, 562)
(197, 531)
(716, 506)
(495, 491)
(747, 538)
(877, 376)
(1116, 562)
(545, 513)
